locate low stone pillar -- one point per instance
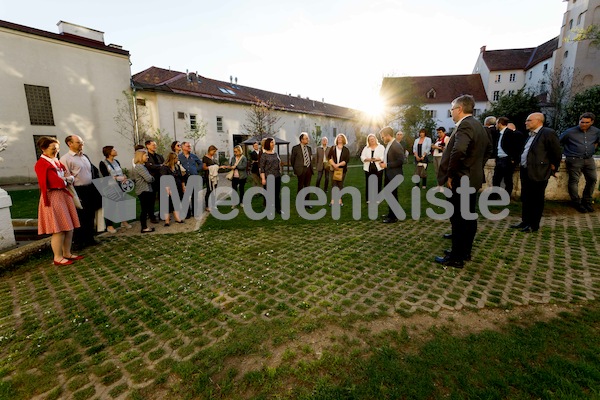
(7, 233)
(557, 186)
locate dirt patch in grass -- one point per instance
(311, 346)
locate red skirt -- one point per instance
(60, 216)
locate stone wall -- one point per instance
(557, 186)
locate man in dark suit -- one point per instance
(322, 170)
(540, 159)
(393, 158)
(466, 153)
(301, 161)
(508, 146)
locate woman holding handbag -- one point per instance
(371, 156)
(339, 157)
(421, 150)
(56, 212)
(239, 163)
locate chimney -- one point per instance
(482, 49)
(189, 76)
(230, 78)
(236, 80)
(67, 28)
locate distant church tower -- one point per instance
(580, 57)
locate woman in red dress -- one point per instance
(56, 213)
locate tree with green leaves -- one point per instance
(515, 107)
(163, 141)
(591, 33)
(131, 119)
(585, 101)
(414, 118)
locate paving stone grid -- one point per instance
(138, 302)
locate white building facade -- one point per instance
(57, 85)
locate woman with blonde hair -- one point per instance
(339, 157)
(172, 167)
(371, 156)
(56, 212)
(239, 163)
(143, 188)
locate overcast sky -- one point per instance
(336, 50)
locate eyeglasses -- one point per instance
(454, 108)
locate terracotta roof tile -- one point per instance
(511, 59)
(190, 84)
(446, 88)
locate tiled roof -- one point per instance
(543, 52)
(522, 59)
(74, 39)
(446, 88)
(163, 80)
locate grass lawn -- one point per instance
(309, 310)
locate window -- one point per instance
(513, 77)
(566, 54)
(219, 124)
(449, 114)
(542, 87)
(511, 92)
(432, 113)
(496, 95)
(530, 74)
(571, 24)
(579, 19)
(193, 124)
(545, 67)
(334, 132)
(226, 91)
(140, 102)
(39, 105)
(180, 115)
(431, 94)
(498, 78)
(476, 112)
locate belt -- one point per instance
(580, 158)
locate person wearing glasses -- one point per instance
(467, 151)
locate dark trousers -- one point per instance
(91, 201)
(504, 172)
(463, 230)
(146, 207)
(379, 175)
(320, 174)
(238, 185)
(390, 213)
(304, 178)
(532, 197)
(575, 167)
(277, 194)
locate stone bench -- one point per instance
(557, 186)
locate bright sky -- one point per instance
(338, 50)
